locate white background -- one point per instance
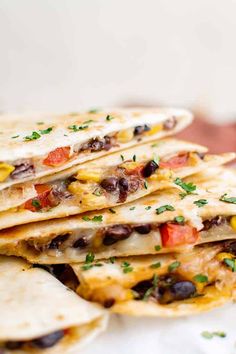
(66, 54)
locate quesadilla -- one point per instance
(162, 285)
(31, 149)
(115, 179)
(41, 315)
(171, 220)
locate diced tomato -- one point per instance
(57, 157)
(175, 161)
(42, 200)
(175, 234)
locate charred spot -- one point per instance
(116, 233)
(170, 123)
(57, 241)
(143, 229)
(149, 168)
(217, 221)
(109, 303)
(201, 155)
(140, 129)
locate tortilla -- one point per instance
(33, 148)
(162, 285)
(111, 180)
(163, 222)
(34, 304)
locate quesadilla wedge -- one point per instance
(32, 149)
(109, 181)
(172, 220)
(41, 315)
(162, 285)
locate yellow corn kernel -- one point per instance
(97, 242)
(5, 171)
(77, 188)
(129, 295)
(233, 222)
(161, 176)
(221, 256)
(124, 136)
(89, 175)
(155, 129)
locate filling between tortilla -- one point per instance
(120, 240)
(26, 168)
(109, 186)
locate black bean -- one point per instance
(48, 341)
(23, 170)
(230, 247)
(201, 155)
(110, 184)
(143, 229)
(170, 123)
(57, 241)
(116, 233)
(109, 303)
(149, 168)
(140, 129)
(13, 345)
(142, 287)
(82, 242)
(218, 220)
(123, 184)
(182, 290)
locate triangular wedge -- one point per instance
(163, 222)
(39, 145)
(41, 315)
(162, 285)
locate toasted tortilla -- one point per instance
(69, 240)
(34, 148)
(156, 285)
(81, 188)
(35, 304)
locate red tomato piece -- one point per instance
(175, 161)
(41, 201)
(57, 157)
(175, 235)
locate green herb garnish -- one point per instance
(163, 208)
(15, 136)
(112, 259)
(201, 278)
(148, 207)
(94, 110)
(46, 131)
(225, 199)
(132, 208)
(108, 117)
(134, 158)
(112, 211)
(200, 202)
(230, 263)
(97, 218)
(210, 335)
(86, 266)
(86, 218)
(187, 187)
(89, 258)
(148, 293)
(97, 192)
(126, 267)
(145, 185)
(173, 266)
(76, 128)
(179, 219)
(122, 157)
(155, 265)
(33, 136)
(36, 203)
(157, 248)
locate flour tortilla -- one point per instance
(109, 283)
(14, 148)
(85, 198)
(32, 241)
(33, 304)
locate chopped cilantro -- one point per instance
(40, 123)
(225, 199)
(94, 110)
(97, 192)
(108, 117)
(86, 266)
(173, 266)
(126, 267)
(210, 335)
(76, 128)
(132, 208)
(33, 136)
(148, 293)
(183, 195)
(145, 185)
(112, 211)
(200, 202)
(157, 248)
(179, 219)
(86, 218)
(148, 207)
(201, 278)
(230, 263)
(89, 258)
(36, 203)
(155, 265)
(122, 158)
(187, 187)
(88, 121)
(163, 208)
(46, 131)
(134, 158)
(15, 136)
(96, 218)
(112, 259)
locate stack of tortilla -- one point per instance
(110, 214)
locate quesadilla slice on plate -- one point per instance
(162, 285)
(174, 219)
(41, 315)
(32, 149)
(115, 179)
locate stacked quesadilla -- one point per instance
(121, 213)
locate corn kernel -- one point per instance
(124, 136)
(155, 129)
(77, 187)
(221, 256)
(89, 175)
(5, 171)
(233, 222)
